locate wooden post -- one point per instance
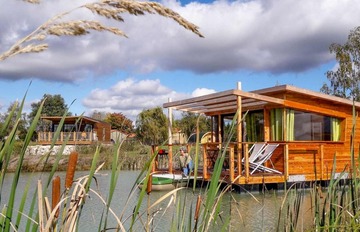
(231, 161)
(170, 153)
(246, 151)
(219, 122)
(239, 131)
(286, 161)
(246, 156)
(204, 162)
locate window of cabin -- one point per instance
(253, 126)
(88, 128)
(314, 127)
(303, 126)
(68, 127)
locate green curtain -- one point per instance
(335, 129)
(250, 127)
(290, 125)
(276, 124)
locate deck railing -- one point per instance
(73, 136)
(237, 168)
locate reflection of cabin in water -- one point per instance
(79, 130)
(307, 128)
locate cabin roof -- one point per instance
(72, 119)
(226, 101)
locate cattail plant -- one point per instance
(56, 194)
(71, 169)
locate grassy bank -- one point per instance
(133, 156)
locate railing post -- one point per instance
(242, 156)
(231, 161)
(246, 156)
(286, 162)
(204, 162)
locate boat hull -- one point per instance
(165, 182)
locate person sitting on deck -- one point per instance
(186, 162)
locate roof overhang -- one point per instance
(71, 119)
(227, 101)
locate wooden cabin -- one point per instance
(80, 130)
(309, 130)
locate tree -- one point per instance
(98, 115)
(187, 124)
(110, 9)
(345, 81)
(22, 127)
(54, 106)
(152, 126)
(119, 122)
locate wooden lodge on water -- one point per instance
(80, 130)
(307, 128)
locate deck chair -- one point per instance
(258, 163)
(255, 150)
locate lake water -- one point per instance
(249, 211)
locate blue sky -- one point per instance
(261, 43)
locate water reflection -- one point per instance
(249, 211)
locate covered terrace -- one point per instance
(307, 160)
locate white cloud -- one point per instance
(201, 92)
(130, 97)
(276, 36)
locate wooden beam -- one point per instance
(259, 97)
(312, 108)
(199, 99)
